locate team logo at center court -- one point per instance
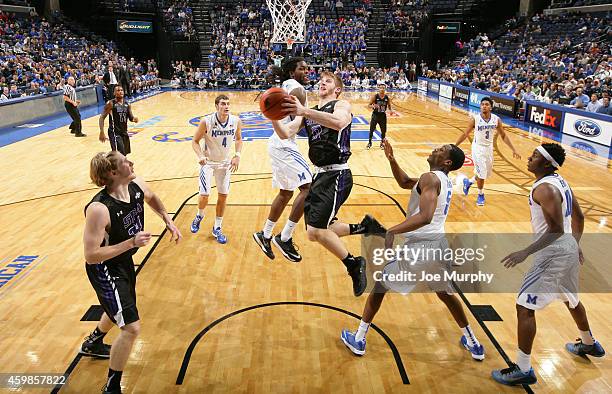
(257, 127)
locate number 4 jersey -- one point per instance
(219, 138)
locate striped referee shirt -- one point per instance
(70, 92)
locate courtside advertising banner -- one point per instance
(461, 96)
(446, 91)
(475, 99)
(504, 106)
(422, 85)
(544, 117)
(433, 87)
(590, 129)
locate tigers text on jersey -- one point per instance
(442, 206)
(485, 131)
(538, 222)
(288, 86)
(220, 137)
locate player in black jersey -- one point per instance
(114, 230)
(120, 112)
(380, 103)
(329, 133)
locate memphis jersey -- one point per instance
(485, 131)
(538, 223)
(288, 86)
(220, 137)
(442, 206)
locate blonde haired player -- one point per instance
(219, 131)
(485, 124)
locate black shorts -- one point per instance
(115, 286)
(328, 191)
(120, 142)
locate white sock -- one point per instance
(473, 179)
(268, 227)
(362, 330)
(288, 230)
(587, 337)
(469, 335)
(201, 212)
(481, 191)
(523, 361)
(218, 221)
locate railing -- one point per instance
(583, 9)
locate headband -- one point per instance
(547, 155)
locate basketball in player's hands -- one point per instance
(271, 103)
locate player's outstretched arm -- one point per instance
(466, 133)
(236, 159)
(403, 180)
(97, 219)
(506, 139)
(108, 107)
(131, 116)
(287, 130)
(430, 188)
(195, 142)
(372, 101)
(300, 93)
(577, 223)
(338, 120)
(549, 198)
(158, 207)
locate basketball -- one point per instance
(271, 103)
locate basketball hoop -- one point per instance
(289, 18)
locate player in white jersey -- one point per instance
(484, 125)
(558, 222)
(219, 131)
(423, 229)
(290, 170)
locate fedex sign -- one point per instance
(544, 117)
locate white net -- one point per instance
(289, 18)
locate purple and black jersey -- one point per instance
(328, 146)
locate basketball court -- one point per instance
(225, 318)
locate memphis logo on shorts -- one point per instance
(532, 299)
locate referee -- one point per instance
(71, 103)
(380, 103)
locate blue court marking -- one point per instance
(10, 135)
(4, 290)
(256, 127)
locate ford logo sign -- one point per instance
(584, 147)
(587, 128)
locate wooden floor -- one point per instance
(285, 343)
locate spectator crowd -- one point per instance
(561, 59)
(37, 56)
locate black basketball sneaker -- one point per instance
(264, 244)
(287, 248)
